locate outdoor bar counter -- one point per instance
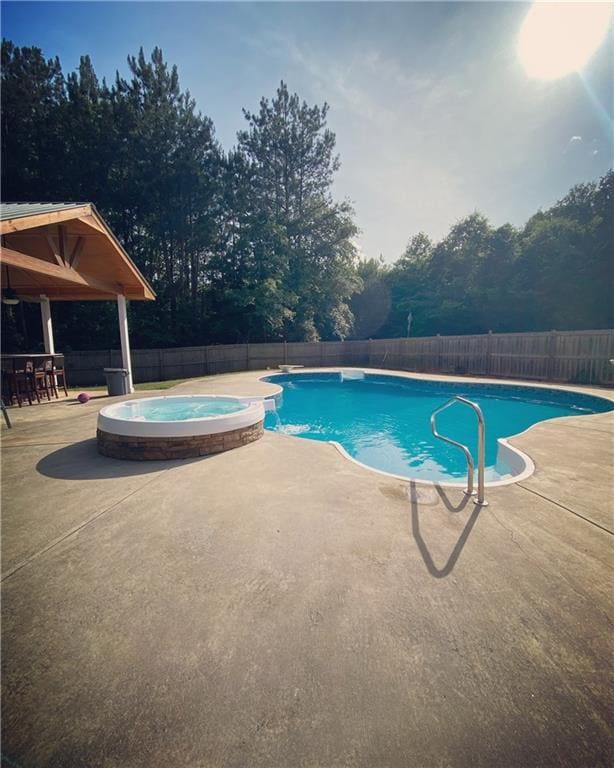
(30, 375)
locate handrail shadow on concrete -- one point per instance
(440, 573)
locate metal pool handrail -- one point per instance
(481, 431)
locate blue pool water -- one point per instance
(384, 421)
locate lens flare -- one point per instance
(559, 38)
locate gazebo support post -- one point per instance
(47, 325)
(125, 339)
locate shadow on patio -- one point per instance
(446, 570)
(81, 461)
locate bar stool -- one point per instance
(51, 383)
(18, 385)
(6, 385)
(60, 373)
(40, 378)
(30, 377)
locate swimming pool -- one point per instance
(383, 421)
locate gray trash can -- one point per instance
(117, 381)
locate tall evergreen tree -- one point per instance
(290, 154)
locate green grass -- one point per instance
(158, 384)
(142, 387)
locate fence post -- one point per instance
(285, 352)
(247, 357)
(439, 346)
(160, 366)
(488, 352)
(552, 345)
(206, 361)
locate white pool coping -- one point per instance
(109, 421)
(521, 463)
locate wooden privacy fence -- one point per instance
(581, 357)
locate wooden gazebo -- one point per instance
(66, 252)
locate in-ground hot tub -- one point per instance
(178, 427)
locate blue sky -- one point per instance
(434, 114)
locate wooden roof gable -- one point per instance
(66, 251)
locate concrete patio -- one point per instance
(280, 606)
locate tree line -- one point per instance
(249, 244)
(556, 272)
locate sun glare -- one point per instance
(558, 38)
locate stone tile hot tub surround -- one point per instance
(156, 448)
